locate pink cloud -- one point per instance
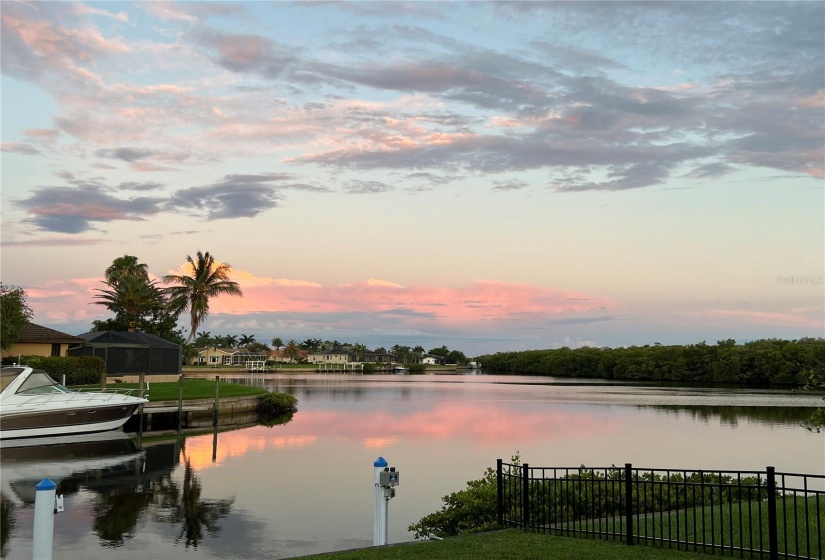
(477, 303)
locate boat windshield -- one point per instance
(40, 383)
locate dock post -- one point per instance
(44, 520)
(379, 526)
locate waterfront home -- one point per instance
(329, 357)
(36, 340)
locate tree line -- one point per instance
(766, 361)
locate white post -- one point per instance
(43, 520)
(379, 527)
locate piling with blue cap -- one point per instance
(44, 520)
(379, 526)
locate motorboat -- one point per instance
(32, 404)
(400, 370)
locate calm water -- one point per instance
(306, 486)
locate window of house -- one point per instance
(55, 349)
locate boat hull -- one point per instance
(24, 424)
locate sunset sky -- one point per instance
(486, 176)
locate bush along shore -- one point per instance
(771, 361)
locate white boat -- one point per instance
(32, 404)
(400, 370)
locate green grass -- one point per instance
(731, 525)
(192, 389)
(513, 545)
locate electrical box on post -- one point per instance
(389, 478)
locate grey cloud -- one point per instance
(19, 148)
(227, 199)
(430, 178)
(75, 209)
(246, 53)
(304, 187)
(511, 185)
(126, 154)
(366, 187)
(136, 186)
(710, 171)
(633, 177)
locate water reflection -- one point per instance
(200, 496)
(184, 505)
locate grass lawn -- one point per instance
(192, 389)
(515, 545)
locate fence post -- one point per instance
(773, 538)
(628, 503)
(525, 495)
(499, 493)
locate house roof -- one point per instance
(38, 334)
(126, 339)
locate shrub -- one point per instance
(272, 405)
(417, 368)
(369, 368)
(79, 370)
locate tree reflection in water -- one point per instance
(187, 508)
(7, 523)
(117, 512)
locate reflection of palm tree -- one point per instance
(7, 523)
(117, 512)
(187, 508)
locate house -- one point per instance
(229, 356)
(278, 355)
(378, 358)
(329, 357)
(432, 360)
(36, 340)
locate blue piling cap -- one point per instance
(45, 484)
(380, 462)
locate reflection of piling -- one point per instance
(180, 401)
(217, 399)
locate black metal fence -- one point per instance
(750, 514)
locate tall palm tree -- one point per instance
(246, 339)
(291, 351)
(192, 293)
(359, 350)
(277, 343)
(132, 298)
(127, 265)
(204, 339)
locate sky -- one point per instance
(488, 176)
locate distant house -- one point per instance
(329, 357)
(229, 356)
(36, 340)
(378, 358)
(432, 360)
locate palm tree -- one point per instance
(192, 293)
(277, 343)
(124, 266)
(359, 350)
(230, 340)
(291, 351)
(132, 298)
(204, 339)
(246, 339)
